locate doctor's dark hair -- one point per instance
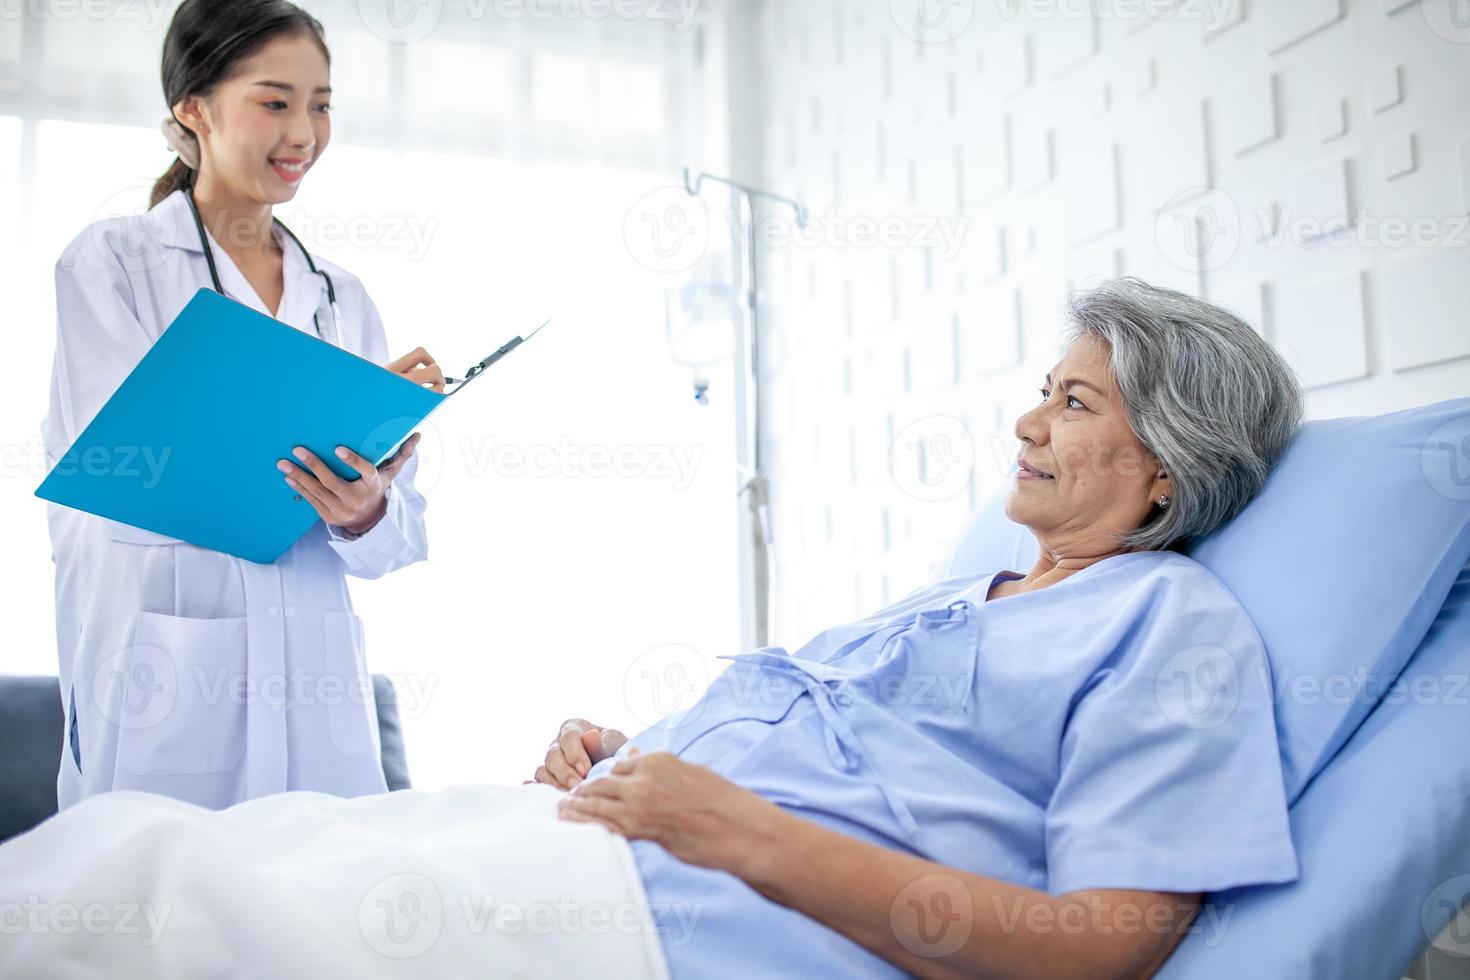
(1206, 394)
(206, 41)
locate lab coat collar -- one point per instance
(303, 288)
(175, 223)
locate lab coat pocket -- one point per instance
(352, 717)
(175, 695)
(127, 534)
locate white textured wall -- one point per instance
(1305, 161)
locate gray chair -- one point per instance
(30, 743)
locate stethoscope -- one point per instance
(214, 272)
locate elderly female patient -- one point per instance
(1014, 774)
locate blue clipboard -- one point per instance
(223, 395)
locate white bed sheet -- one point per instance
(479, 881)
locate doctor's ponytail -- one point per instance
(206, 41)
(177, 175)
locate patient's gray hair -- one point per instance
(1203, 392)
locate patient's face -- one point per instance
(1099, 479)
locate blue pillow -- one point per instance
(1343, 560)
(1382, 837)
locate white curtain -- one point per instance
(484, 160)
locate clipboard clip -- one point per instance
(476, 370)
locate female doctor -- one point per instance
(185, 671)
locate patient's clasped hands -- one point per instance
(576, 749)
(697, 815)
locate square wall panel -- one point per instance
(1324, 329)
(1426, 307)
(1251, 114)
(1322, 200)
(1287, 22)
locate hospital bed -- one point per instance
(1354, 563)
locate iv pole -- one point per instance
(754, 488)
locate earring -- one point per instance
(1163, 503)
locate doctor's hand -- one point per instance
(353, 505)
(418, 367)
(697, 815)
(576, 749)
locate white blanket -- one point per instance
(474, 881)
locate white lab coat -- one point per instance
(185, 671)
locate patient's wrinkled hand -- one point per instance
(697, 815)
(576, 749)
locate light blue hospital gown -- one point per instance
(1114, 730)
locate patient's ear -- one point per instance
(1162, 486)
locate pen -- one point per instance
(505, 349)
